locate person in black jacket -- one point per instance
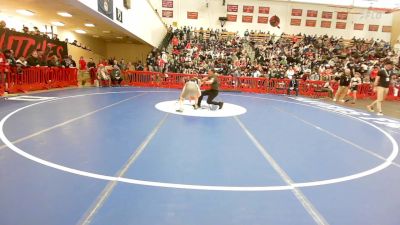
(381, 87)
(344, 82)
(293, 86)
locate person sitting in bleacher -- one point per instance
(116, 77)
(102, 76)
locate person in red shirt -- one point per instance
(175, 41)
(373, 74)
(82, 63)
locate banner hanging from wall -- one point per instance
(327, 15)
(23, 44)
(248, 9)
(167, 13)
(326, 24)
(311, 23)
(342, 15)
(340, 25)
(231, 18)
(263, 10)
(297, 12)
(312, 13)
(263, 19)
(106, 7)
(373, 27)
(247, 19)
(193, 15)
(358, 26)
(167, 4)
(295, 22)
(387, 29)
(232, 8)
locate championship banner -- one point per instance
(193, 15)
(24, 44)
(373, 27)
(263, 10)
(248, 9)
(247, 19)
(167, 13)
(387, 29)
(106, 7)
(231, 18)
(311, 23)
(358, 26)
(262, 19)
(167, 4)
(342, 15)
(295, 22)
(232, 8)
(340, 25)
(327, 15)
(312, 13)
(297, 12)
(326, 24)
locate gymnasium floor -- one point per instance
(108, 156)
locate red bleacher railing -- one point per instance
(41, 78)
(37, 78)
(308, 88)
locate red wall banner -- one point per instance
(340, 25)
(167, 13)
(373, 27)
(167, 4)
(193, 15)
(326, 24)
(262, 19)
(297, 12)
(358, 26)
(24, 44)
(232, 8)
(311, 23)
(248, 9)
(342, 15)
(387, 29)
(295, 22)
(231, 18)
(327, 15)
(263, 10)
(247, 19)
(312, 13)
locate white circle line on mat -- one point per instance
(385, 164)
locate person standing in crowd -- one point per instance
(82, 64)
(344, 81)
(293, 86)
(212, 80)
(381, 87)
(354, 83)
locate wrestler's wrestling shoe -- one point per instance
(179, 110)
(220, 104)
(196, 106)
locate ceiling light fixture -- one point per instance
(89, 25)
(64, 14)
(57, 24)
(96, 36)
(80, 31)
(106, 31)
(25, 12)
(119, 37)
